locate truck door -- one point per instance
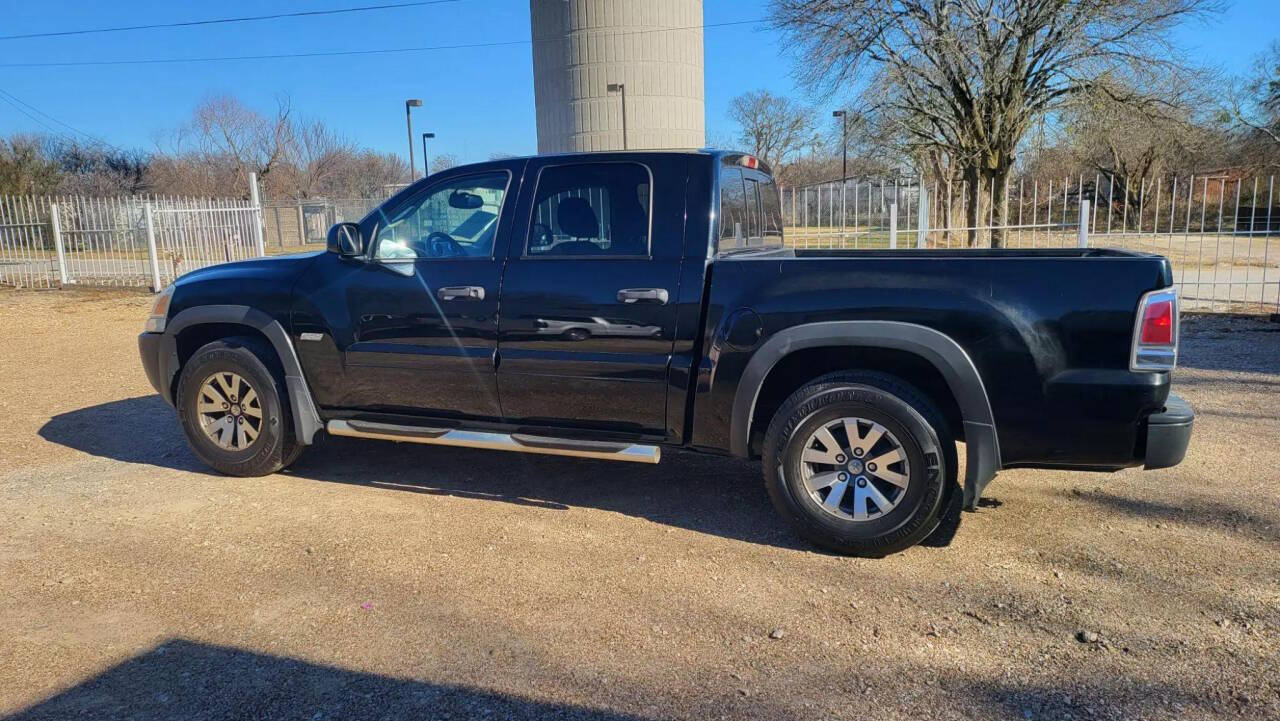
(415, 322)
(589, 294)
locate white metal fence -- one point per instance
(48, 241)
(1221, 233)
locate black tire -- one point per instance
(577, 334)
(909, 416)
(275, 447)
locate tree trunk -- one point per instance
(999, 182)
(973, 201)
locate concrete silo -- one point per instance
(650, 50)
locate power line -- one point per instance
(219, 21)
(343, 53)
(10, 98)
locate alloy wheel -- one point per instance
(855, 469)
(230, 411)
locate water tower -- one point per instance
(592, 58)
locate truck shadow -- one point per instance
(180, 679)
(708, 494)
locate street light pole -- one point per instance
(844, 143)
(425, 168)
(621, 89)
(408, 121)
(844, 164)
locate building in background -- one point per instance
(648, 51)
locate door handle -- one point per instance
(635, 295)
(461, 292)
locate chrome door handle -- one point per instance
(461, 292)
(635, 295)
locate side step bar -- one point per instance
(497, 441)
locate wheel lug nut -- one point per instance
(839, 459)
(843, 476)
(871, 466)
(862, 482)
(857, 451)
(225, 406)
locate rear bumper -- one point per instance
(1169, 434)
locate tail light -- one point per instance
(1155, 334)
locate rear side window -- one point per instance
(750, 210)
(591, 209)
(770, 211)
(733, 210)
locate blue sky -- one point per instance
(478, 100)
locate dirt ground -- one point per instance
(376, 580)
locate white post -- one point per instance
(56, 218)
(257, 215)
(1082, 234)
(922, 217)
(151, 249)
(893, 224)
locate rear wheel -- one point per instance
(233, 409)
(860, 463)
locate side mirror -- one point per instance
(344, 239)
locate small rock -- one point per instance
(310, 550)
(1086, 637)
(743, 692)
(1223, 622)
(776, 634)
(1057, 574)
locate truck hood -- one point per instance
(275, 268)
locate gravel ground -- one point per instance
(381, 581)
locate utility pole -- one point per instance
(408, 121)
(621, 89)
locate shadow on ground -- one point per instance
(191, 681)
(709, 494)
(182, 679)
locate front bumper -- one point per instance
(1169, 434)
(152, 349)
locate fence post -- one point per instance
(151, 248)
(922, 217)
(1082, 236)
(257, 215)
(893, 224)
(56, 219)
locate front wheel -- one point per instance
(860, 463)
(233, 409)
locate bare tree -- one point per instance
(316, 155)
(1136, 140)
(1255, 102)
(967, 78)
(443, 162)
(25, 167)
(225, 129)
(774, 128)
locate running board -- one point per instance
(497, 441)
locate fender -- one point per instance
(306, 419)
(982, 458)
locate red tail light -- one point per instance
(1157, 323)
(1155, 334)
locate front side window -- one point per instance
(457, 219)
(592, 209)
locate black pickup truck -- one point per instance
(606, 305)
